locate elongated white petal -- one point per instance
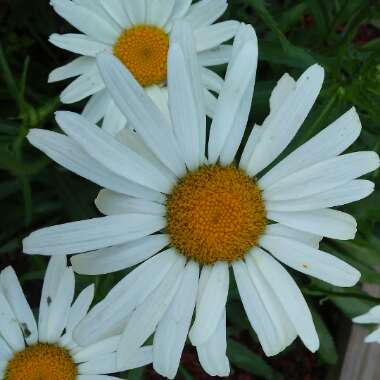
(9, 327)
(82, 87)
(311, 261)
(350, 192)
(115, 8)
(78, 43)
(5, 351)
(114, 121)
(78, 16)
(74, 68)
(109, 152)
(212, 354)
(119, 257)
(205, 12)
(308, 238)
(123, 299)
(54, 272)
(181, 7)
(159, 11)
(69, 154)
(323, 176)
(285, 123)
(330, 142)
(183, 107)
(211, 304)
(256, 312)
(97, 350)
(373, 316)
(146, 317)
(59, 308)
(136, 10)
(230, 100)
(141, 112)
(285, 331)
(290, 296)
(373, 337)
(209, 37)
(86, 235)
(80, 308)
(285, 86)
(11, 288)
(172, 330)
(110, 203)
(96, 107)
(330, 223)
(216, 56)
(211, 80)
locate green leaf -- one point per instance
(327, 350)
(136, 374)
(247, 360)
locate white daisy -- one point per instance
(46, 350)
(137, 32)
(189, 207)
(372, 317)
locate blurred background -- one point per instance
(341, 35)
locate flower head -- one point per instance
(46, 350)
(181, 201)
(137, 33)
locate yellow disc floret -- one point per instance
(215, 214)
(41, 362)
(144, 50)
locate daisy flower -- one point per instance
(181, 202)
(372, 317)
(137, 33)
(46, 350)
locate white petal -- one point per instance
(205, 12)
(80, 308)
(183, 106)
(211, 80)
(211, 304)
(212, 354)
(9, 327)
(110, 203)
(12, 291)
(159, 11)
(114, 121)
(87, 235)
(124, 298)
(226, 116)
(308, 238)
(373, 316)
(330, 223)
(216, 56)
(116, 10)
(136, 10)
(284, 87)
(172, 330)
(141, 112)
(373, 337)
(5, 351)
(181, 7)
(290, 296)
(78, 16)
(97, 350)
(209, 37)
(256, 312)
(323, 176)
(119, 257)
(109, 152)
(74, 68)
(82, 87)
(282, 127)
(350, 192)
(97, 106)
(330, 142)
(59, 308)
(311, 261)
(146, 317)
(78, 43)
(69, 154)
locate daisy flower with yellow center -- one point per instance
(137, 33)
(46, 350)
(180, 202)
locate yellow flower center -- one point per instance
(215, 214)
(41, 362)
(144, 50)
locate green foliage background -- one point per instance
(341, 35)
